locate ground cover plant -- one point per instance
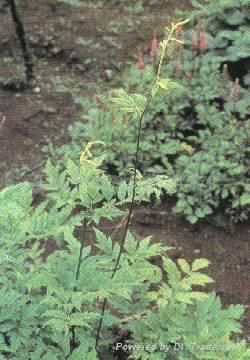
(51, 309)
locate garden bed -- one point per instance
(39, 117)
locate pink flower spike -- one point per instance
(235, 93)
(180, 37)
(154, 47)
(203, 45)
(180, 33)
(140, 62)
(194, 42)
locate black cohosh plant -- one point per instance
(52, 309)
(138, 105)
(67, 305)
(177, 128)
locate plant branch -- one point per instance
(22, 39)
(73, 344)
(117, 227)
(81, 249)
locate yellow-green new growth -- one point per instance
(86, 155)
(166, 83)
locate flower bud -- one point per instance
(140, 62)
(203, 42)
(180, 38)
(180, 34)
(154, 47)
(235, 93)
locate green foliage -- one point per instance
(217, 175)
(42, 301)
(71, 2)
(196, 123)
(50, 305)
(229, 23)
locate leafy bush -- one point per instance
(228, 21)
(217, 176)
(50, 309)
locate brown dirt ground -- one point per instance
(35, 119)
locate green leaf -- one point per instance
(184, 297)
(192, 219)
(172, 271)
(166, 84)
(20, 194)
(200, 279)
(73, 171)
(184, 265)
(104, 242)
(128, 103)
(245, 199)
(199, 264)
(122, 191)
(83, 352)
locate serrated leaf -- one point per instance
(124, 102)
(200, 279)
(199, 264)
(172, 271)
(166, 84)
(184, 265)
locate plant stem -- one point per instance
(164, 47)
(22, 39)
(73, 330)
(131, 207)
(81, 249)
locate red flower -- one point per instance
(154, 47)
(140, 62)
(203, 42)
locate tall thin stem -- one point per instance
(131, 207)
(81, 249)
(78, 269)
(164, 45)
(22, 39)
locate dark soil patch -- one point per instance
(110, 39)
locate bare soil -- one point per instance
(38, 116)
